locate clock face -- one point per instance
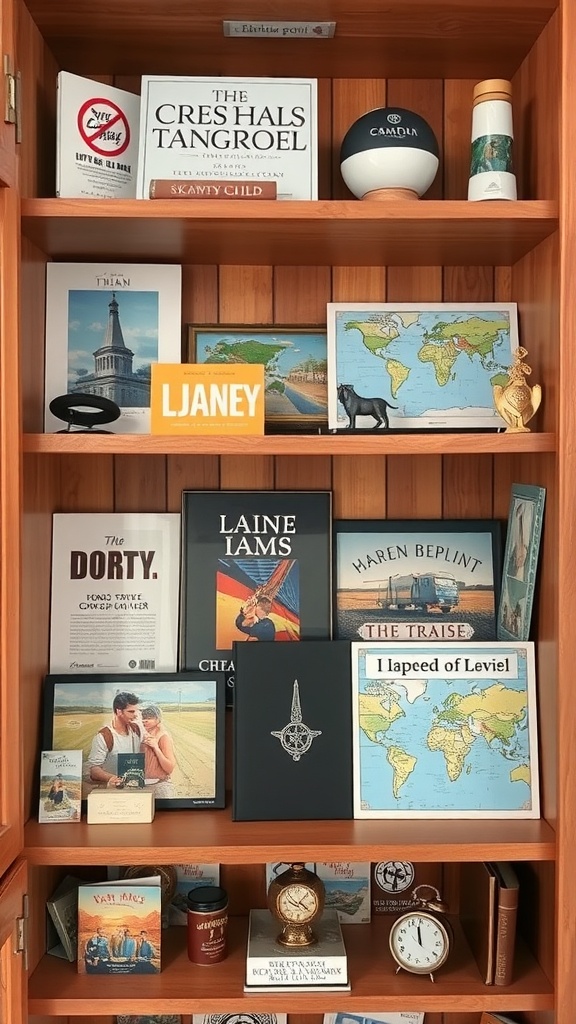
(297, 903)
(419, 943)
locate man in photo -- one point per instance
(254, 619)
(122, 736)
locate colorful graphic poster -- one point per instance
(257, 599)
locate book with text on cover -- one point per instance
(242, 129)
(292, 732)
(195, 398)
(115, 592)
(119, 927)
(255, 567)
(60, 785)
(273, 967)
(97, 139)
(106, 325)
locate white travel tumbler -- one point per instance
(491, 171)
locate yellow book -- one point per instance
(195, 398)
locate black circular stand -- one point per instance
(66, 407)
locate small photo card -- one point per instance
(60, 785)
(190, 876)
(347, 888)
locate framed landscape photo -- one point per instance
(520, 565)
(418, 366)
(416, 580)
(175, 719)
(295, 367)
(444, 731)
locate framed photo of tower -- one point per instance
(105, 325)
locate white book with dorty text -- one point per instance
(115, 592)
(106, 324)
(96, 140)
(244, 129)
(323, 965)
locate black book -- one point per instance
(292, 731)
(256, 565)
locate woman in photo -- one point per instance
(158, 747)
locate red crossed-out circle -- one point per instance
(92, 135)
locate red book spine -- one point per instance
(505, 935)
(202, 188)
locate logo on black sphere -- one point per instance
(393, 118)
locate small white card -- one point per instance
(119, 807)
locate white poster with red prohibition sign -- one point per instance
(97, 141)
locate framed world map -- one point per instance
(444, 730)
(417, 366)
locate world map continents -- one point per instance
(446, 745)
(436, 366)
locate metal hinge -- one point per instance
(21, 937)
(12, 83)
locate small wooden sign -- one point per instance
(194, 398)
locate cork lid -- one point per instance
(494, 89)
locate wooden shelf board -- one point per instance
(209, 836)
(329, 232)
(181, 987)
(401, 38)
(290, 444)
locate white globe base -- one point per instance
(389, 168)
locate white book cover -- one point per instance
(60, 785)
(260, 129)
(115, 592)
(97, 139)
(347, 888)
(270, 964)
(190, 876)
(106, 323)
(239, 1018)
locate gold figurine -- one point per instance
(516, 401)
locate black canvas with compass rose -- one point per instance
(292, 731)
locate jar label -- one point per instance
(491, 153)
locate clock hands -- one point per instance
(419, 935)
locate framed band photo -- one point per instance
(175, 719)
(295, 367)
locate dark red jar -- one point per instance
(207, 924)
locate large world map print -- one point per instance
(434, 365)
(447, 731)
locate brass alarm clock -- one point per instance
(296, 900)
(420, 939)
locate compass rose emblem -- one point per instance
(296, 738)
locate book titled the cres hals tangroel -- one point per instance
(236, 129)
(115, 592)
(255, 567)
(119, 927)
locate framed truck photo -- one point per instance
(416, 580)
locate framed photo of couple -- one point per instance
(175, 718)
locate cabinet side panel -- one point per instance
(535, 92)
(38, 69)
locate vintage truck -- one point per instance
(415, 591)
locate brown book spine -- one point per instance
(505, 935)
(202, 188)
